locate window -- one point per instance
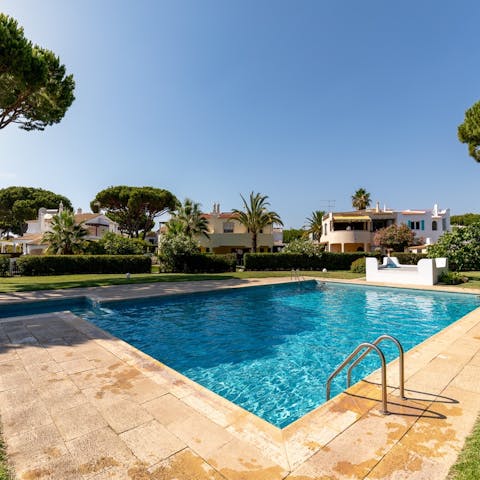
(228, 227)
(434, 225)
(414, 225)
(325, 228)
(444, 224)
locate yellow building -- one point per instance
(227, 235)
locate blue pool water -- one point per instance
(271, 349)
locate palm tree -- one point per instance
(256, 216)
(361, 199)
(189, 220)
(315, 224)
(66, 237)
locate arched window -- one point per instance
(434, 225)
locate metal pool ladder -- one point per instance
(295, 275)
(367, 348)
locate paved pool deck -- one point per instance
(78, 403)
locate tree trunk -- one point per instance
(254, 242)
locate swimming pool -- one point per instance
(270, 349)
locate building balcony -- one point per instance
(348, 236)
(348, 240)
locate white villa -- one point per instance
(31, 242)
(354, 231)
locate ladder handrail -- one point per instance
(294, 275)
(370, 347)
(401, 374)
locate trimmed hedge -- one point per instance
(287, 261)
(211, 263)
(77, 264)
(205, 263)
(408, 258)
(4, 265)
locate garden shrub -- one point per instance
(4, 265)
(174, 250)
(179, 253)
(359, 265)
(303, 246)
(287, 261)
(406, 258)
(77, 264)
(342, 261)
(114, 244)
(461, 246)
(452, 278)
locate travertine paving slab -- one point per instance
(25, 417)
(78, 421)
(98, 451)
(168, 409)
(77, 365)
(468, 379)
(122, 414)
(152, 442)
(201, 434)
(185, 465)
(238, 460)
(97, 376)
(40, 369)
(39, 447)
(23, 395)
(60, 468)
(12, 374)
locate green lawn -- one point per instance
(55, 282)
(5, 473)
(468, 462)
(473, 280)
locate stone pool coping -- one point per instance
(77, 402)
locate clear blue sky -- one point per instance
(304, 101)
